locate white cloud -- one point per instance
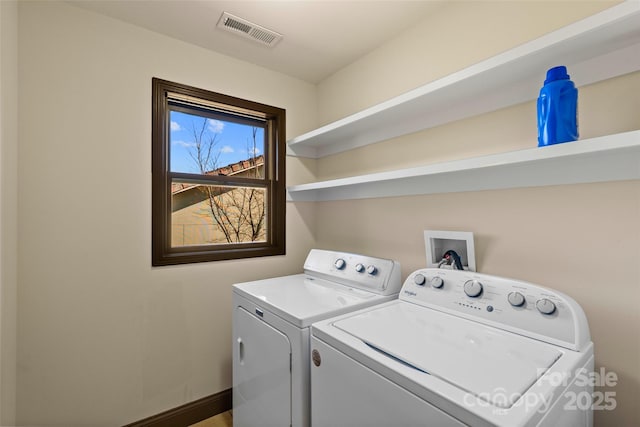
(215, 126)
(255, 151)
(184, 144)
(175, 126)
(227, 149)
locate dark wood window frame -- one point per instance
(165, 93)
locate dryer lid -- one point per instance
(302, 299)
(492, 364)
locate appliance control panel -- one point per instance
(508, 304)
(378, 275)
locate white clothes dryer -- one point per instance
(457, 348)
(271, 322)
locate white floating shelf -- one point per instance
(597, 48)
(608, 158)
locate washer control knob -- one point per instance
(516, 299)
(419, 279)
(472, 288)
(437, 282)
(372, 270)
(340, 263)
(545, 306)
(360, 268)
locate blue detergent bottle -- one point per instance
(557, 109)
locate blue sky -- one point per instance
(234, 142)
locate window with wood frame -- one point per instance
(218, 176)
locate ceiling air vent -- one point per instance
(248, 29)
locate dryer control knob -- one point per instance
(472, 288)
(340, 263)
(545, 306)
(360, 268)
(437, 282)
(372, 270)
(419, 279)
(516, 299)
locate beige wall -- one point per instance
(103, 338)
(583, 240)
(8, 207)
(458, 35)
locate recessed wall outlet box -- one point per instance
(438, 242)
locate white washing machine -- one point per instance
(457, 348)
(271, 322)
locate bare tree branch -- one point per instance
(239, 213)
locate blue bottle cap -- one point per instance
(557, 73)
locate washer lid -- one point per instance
(494, 365)
(302, 299)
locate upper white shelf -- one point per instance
(599, 47)
(607, 158)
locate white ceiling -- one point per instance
(320, 36)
